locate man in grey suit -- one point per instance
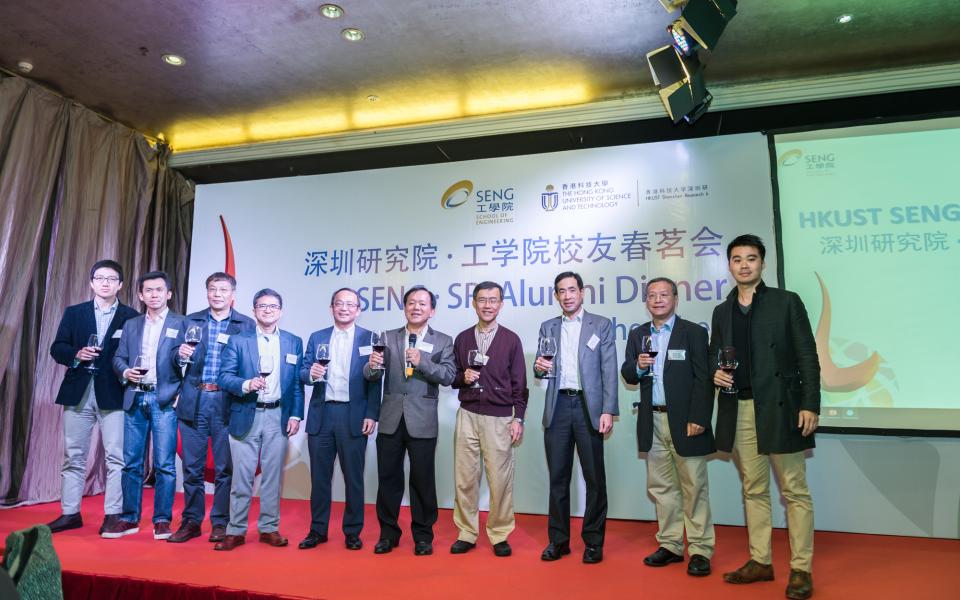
(261, 373)
(415, 363)
(579, 407)
(151, 386)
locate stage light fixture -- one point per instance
(704, 20)
(672, 5)
(680, 83)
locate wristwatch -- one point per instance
(518, 420)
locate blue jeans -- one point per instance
(142, 418)
(209, 425)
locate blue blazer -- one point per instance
(364, 395)
(168, 378)
(77, 324)
(240, 361)
(189, 405)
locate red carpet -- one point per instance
(847, 566)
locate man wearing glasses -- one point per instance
(202, 408)
(90, 394)
(260, 370)
(492, 379)
(344, 408)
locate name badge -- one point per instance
(593, 341)
(292, 359)
(676, 355)
(366, 350)
(172, 333)
(223, 338)
(424, 346)
(117, 334)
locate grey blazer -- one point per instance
(168, 377)
(598, 368)
(415, 399)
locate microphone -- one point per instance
(411, 343)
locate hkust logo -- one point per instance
(457, 194)
(790, 157)
(814, 164)
(550, 199)
(491, 205)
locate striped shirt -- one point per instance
(211, 360)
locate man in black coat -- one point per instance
(771, 417)
(673, 426)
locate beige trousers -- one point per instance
(680, 489)
(483, 438)
(791, 472)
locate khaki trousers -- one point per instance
(680, 489)
(791, 472)
(486, 438)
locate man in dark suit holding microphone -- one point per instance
(673, 426)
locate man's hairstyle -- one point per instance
(345, 289)
(154, 275)
(487, 285)
(420, 288)
(564, 275)
(221, 276)
(747, 239)
(268, 292)
(673, 284)
(107, 264)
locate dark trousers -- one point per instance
(423, 484)
(571, 427)
(210, 424)
(334, 439)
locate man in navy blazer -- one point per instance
(579, 407)
(202, 408)
(261, 373)
(344, 409)
(90, 394)
(152, 385)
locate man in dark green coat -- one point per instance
(771, 417)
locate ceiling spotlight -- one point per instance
(681, 41)
(705, 20)
(174, 59)
(24, 66)
(844, 19)
(680, 83)
(331, 11)
(352, 34)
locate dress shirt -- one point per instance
(268, 344)
(661, 340)
(338, 375)
(569, 376)
(211, 360)
(484, 338)
(152, 330)
(104, 318)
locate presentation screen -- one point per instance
(870, 222)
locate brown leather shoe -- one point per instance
(230, 542)
(751, 572)
(188, 530)
(800, 586)
(217, 533)
(273, 538)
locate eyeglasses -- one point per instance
(655, 297)
(270, 307)
(341, 304)
(487, 301)
(109, 279)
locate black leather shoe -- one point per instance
(502, 549)
(312, 540)
(461, 547)
(699, 566)
(385, 546)
(353, 542)
(592, 554)
(662, 557)
(554, 551)
(108, 520)
(65, 522)
(423, 548)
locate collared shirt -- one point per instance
(484, 338)
(569, 376)
(211, 360)
(152, 330)
(661, 340)
(104, 318)
(338, 375)
(268, 345)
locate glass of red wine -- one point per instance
(94, 344)
(548, 349)
(323, 358)
(378, 341)
(648, 347)
(476, 360)
(264, 369)
(192, 337)
(727, 362)
(141, 365)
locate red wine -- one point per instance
(141, 371)
(652, 353)
(548, 357)
(192, 344)
(477, 367)
(728, 369)
(323, 361)
(265, 374)
(379, 347)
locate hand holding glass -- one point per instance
(378, 342)
(323, 358)
(94, 344)
(475, 360)
(548, 349)
(727, 362)
(265, 367)
(192, 337)
(647, 346)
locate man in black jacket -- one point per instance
(673, 426)
(90, 394)
(771, 418)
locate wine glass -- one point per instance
(93, 342)
(648, 347)
(323, 357)
(141, 365)
(378, 342)
(548, 349)
(192, 337)
(476, 362)
(727, 362)
(265, 367)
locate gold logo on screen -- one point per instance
(457, 194)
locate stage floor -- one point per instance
(847, 566)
